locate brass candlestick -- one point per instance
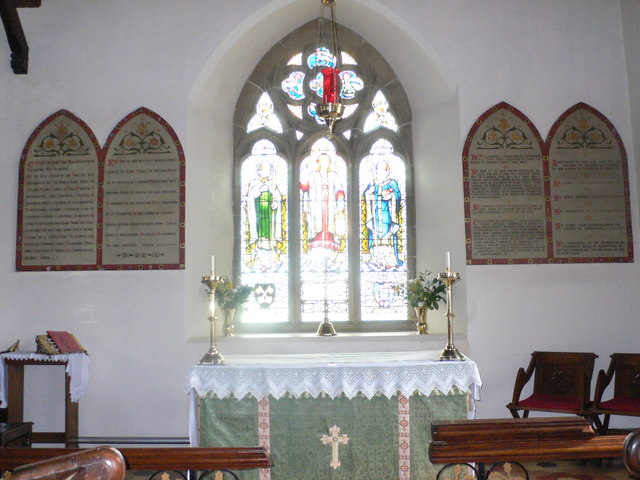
(450, 352)
(212, 357)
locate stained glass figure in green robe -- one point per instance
(264, 204)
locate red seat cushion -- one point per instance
(555, 402)
(622, 404)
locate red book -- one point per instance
(66, 342)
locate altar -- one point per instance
(341, 416)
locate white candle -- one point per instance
(448, 261)
(213, 265)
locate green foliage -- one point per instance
(422, 292)
(229, 295)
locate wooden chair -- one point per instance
(102, 463)
(625, 368)
(562, 384)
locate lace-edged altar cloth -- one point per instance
(386, 373)
(77, 367)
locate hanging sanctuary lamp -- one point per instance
(331, 109)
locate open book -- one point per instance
(57, 342)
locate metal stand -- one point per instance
(480, 471)
(326, 328)
(450, 352)
(212, 357)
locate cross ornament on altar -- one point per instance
(335, 440)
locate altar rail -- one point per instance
(187, 458)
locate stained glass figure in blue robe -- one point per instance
(383, 203)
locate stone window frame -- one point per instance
(377, 75)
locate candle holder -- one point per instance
(326, 328)
(330, 112)
(450, 352)
(212, 357)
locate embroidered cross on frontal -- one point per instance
(335, 440)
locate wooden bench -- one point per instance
(515, 440)
(197, 459)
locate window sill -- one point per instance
(295, 343)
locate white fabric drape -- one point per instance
(77, 367)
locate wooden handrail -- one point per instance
(528, 451)
(520, 440)
(188, 458)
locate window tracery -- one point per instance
(323, 221)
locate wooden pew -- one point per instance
(514, 440)
(103, 463)
(227, 458)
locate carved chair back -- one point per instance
(564, 374)
(627, 375)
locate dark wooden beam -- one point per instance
(15, 36)
(28, 3)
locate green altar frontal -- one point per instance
(322, 433)
(321, 438)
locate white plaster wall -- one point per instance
(630, 22)
(187, 61)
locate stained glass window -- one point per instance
(322, 57)
(296, 110)
(380, 116)
(305, 87)
(322, 230)
(323, 234)
(293, 85)
(264, 258)
(349, 110)
(350, 83)
(296, 59)
(347, 59)
(265, 116)
(383, 238)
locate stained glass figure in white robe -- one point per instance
(323, 195)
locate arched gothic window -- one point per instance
(324, 223)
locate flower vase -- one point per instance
(421, 323)
(228, 321)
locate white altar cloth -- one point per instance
(350, 374)
(77, 367)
